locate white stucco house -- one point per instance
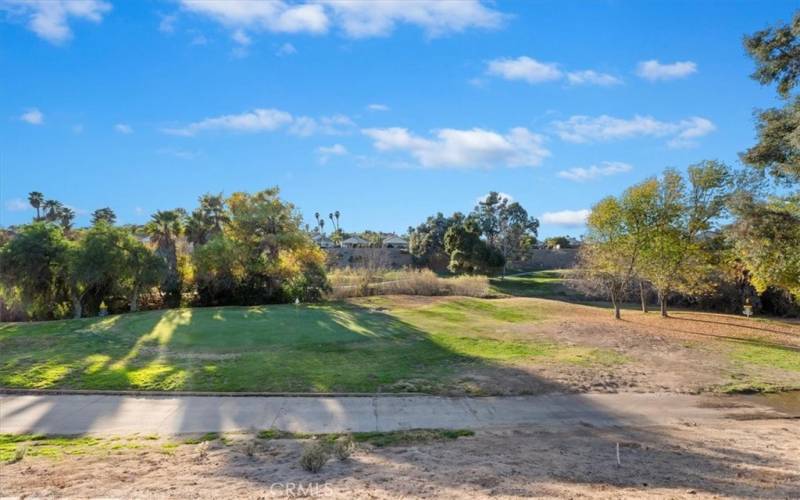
(355, 242)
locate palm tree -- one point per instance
(66, 215)
(336, 214)
(213, 207)
(164, 228)
(35, 198)
(105, 215)
(51, 208)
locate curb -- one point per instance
(89, 392)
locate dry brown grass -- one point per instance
(363, 282)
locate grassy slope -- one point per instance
(332, 347)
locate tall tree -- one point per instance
(36, 199)
(51, 209)
(766, 233)
(164, 228)
(104, 215)
(468, 252)
(65, 217)
(35, 263)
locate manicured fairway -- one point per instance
(332, 347)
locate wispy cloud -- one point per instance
(353, 18)
(377, 107)
(17, 205)
(123, 128)
(258, 120)
(267, 120)
(50, 19)
(585, 129)
(32, 116)
(286, 49)
(568, 218)
(653, 70)
(326, 152)
(529, 70)
(605, 169)
(591, 77)
(464, 148)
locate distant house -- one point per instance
(355, 242)
(394, 241)
(322, 241)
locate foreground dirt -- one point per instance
(758, 458)
(689, 352)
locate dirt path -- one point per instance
(166, 415)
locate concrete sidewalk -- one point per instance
(166, 415)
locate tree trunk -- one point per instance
(77, 308)
(615, 302)
(643, 296)
(134, 302)
(662, 301)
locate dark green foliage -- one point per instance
(468, 252)
(104, 215)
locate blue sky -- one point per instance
(386, 111)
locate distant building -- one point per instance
(394, 241)
(322, 241)
(355, 242)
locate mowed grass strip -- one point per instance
(335, 347)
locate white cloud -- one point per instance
(378, 107)
(258, 120)
(276, 16)
(49, 19)
(123, 128)
(591, 77)
(32, 116)
(336, 149)
(167, 23)
(570, 218)
(268, 120)
(584, 129)
(606, 168)
(355, 18)
(181, 154)
(241, 38)
(286, 49)
(464, 148)
(524, 68)
(325, 152)
(653, 70)
(327, 125)
(530, 70)
(17, 205)
(368, 18)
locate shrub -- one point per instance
(314, 456)
(344, 447)
(19, 453)
(363, 282)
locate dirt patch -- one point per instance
(734, 458)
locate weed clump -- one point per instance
(314, 456)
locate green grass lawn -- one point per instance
(532, 284)
(316, 348)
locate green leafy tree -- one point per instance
(468, 252)
(426, 241)
(675, 257)
(766, 234)
(34, 263)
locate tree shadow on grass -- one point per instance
(349, 347)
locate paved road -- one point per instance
(165, 415)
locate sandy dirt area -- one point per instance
(756, 458)
(689, 352)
